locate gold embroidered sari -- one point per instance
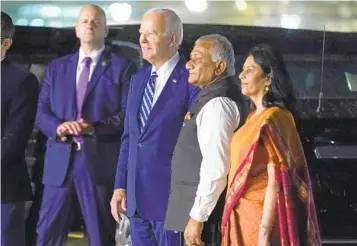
(269, 137)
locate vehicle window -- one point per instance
(306, 77)
(340, 76)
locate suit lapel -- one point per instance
(69, 81)
(167, 94)
(142, 81)
(102, 65)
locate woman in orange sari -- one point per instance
(269, 199)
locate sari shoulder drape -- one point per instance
(276, 128)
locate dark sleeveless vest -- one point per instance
(187, 158)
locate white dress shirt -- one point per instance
(216, 123)
(163, 73)
(95, 55)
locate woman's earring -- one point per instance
(266, 89)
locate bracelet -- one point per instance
(266, 227)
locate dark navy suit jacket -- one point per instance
(144, 166)
(19, 95)
(104, 105)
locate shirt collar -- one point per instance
(167, 65)
(94, 55)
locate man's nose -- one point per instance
(241, 75)
(90, 24)
(143, 38)
(189, 65)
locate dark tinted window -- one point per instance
(339, 76)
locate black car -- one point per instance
(324, 72)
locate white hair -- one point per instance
(173, 23)
(222, 50)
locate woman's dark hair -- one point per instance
(281, 91)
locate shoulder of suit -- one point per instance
(116, 58)
(21, 74)
(62, 59)
(20, 71)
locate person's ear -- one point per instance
(76, 29)
(268, 80)
(106, 31)
(221, 67)
(6, 44)
(173, 40)
(267, 83)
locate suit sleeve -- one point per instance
(18, 128)
(192, 93)
(122, 166)
(112, 127)
(46, 121)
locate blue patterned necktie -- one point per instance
(146, 104)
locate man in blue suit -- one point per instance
(19, 95)
(81, 111)
(158, 100)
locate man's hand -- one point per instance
(118, 202)
(74, 128)
(68, 128)
(193, 232)
(86, 127)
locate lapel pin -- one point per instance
(174, 80)
(104, 63)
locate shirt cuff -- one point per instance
(199, 211)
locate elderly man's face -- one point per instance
(155, 43)
(201, 68)
(91, 26)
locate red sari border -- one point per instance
(286, 177)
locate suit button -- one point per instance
(140, 145)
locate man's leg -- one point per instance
(165, 237)
(107, 224)
(141, 232)
(33, 217)
(52, 228)
(13, 224)
(95, 205)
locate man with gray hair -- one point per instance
(158, 100)
(201, 161)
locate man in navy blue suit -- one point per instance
(81, 111)
(19, 95)
(158, 99)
